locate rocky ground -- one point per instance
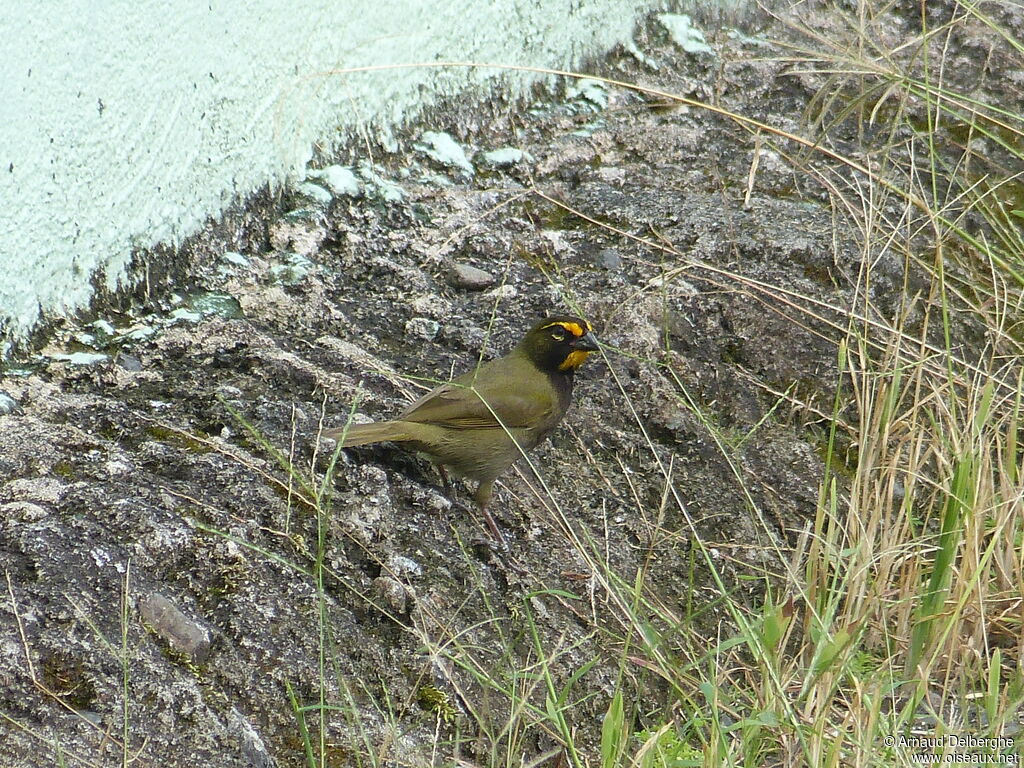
(160, 556)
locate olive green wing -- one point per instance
(460, 407)
(514, 399)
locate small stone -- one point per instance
(118, 468)
(314, 193)
(8, 404)
(129, 362)
(342, 181)
(503, 292)
(431, 305)
(378, 187)
(177, 630)
(298, 232)
(293, 271)
(394, 593)
(898, 491)
(24, 511)
(612, 175)
(44, 490)
(229, 392)
(505, 157)
(684, 34)
(400, 565)
(182, 315)
(634, 50)
(429, 498)
(100, 557)
(423, 328)
(559, 242)
(469, 278)
(593, 92)
(234, 258)
(137, 332)
(442, 149)
(609, 258)
(103, 327)
(82, 358)
(216, 303)
(253, 748)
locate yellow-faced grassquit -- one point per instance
(481, 422)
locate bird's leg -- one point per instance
(445, 482)
(481, 497)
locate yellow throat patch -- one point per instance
(574, 360)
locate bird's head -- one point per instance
(559, 343)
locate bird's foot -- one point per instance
(484, 545)
(495, 531)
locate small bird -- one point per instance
(480, 423)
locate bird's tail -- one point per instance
(364, 434)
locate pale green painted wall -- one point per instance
(127, 123)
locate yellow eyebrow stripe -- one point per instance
(574, 328)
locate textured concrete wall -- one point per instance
(126, 123)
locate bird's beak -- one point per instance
(586, 343)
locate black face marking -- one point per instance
(551, 344)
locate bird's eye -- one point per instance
(558, 335)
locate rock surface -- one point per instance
(186, 461)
